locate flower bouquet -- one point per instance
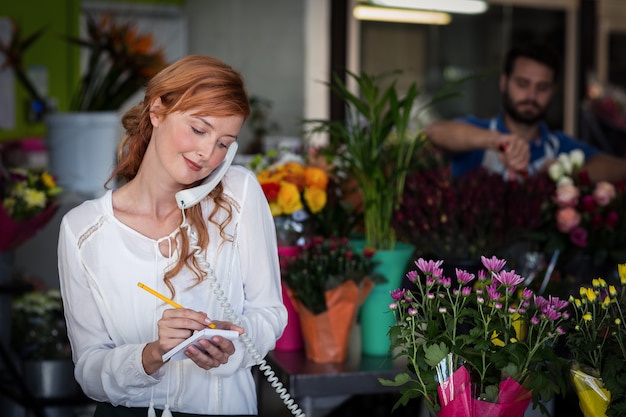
(582, 217)
(597, 342)
(28, 202)
(296, 193)
(476, 345)
(327, 281)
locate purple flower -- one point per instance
(527, 294)
(466, 291)
(494, 264)
(398, 294)
(412, 276)
(412, 311)
(482, 275)
(429, 267)
(464, 276)
(535, 320)
(508, 278)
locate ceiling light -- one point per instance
(400, 15)
(451, 6)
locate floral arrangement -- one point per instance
(120, 62)
(28, 202)
(583, 217)
(597, 342)
(327, 281)
(38, 326)
(304, 198)
(476, 345)
(461, 218)
(324, 264)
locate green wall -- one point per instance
(59, 18)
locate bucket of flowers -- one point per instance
(584, 218)
(476, 345)
(28, 202)
(597, 342)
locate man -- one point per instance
(518, 142)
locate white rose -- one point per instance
(555, 171)
(577, 157)
(564, 180)
(565, 162)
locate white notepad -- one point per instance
(178, 353)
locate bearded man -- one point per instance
(517, 142)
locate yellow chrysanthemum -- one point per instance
(590, 294)
(621, 269)
(612, 291)
(35, 198)
(587, 317)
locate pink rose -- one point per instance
(604, 193)
(567, 219)
(566, 195)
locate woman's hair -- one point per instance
(207, 86)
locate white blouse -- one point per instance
(110, 319)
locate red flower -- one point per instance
(578, 236)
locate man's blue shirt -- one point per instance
(548, 146)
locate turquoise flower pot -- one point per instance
(375, 317)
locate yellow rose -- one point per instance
(289, 198)
(315, 199)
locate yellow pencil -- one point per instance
(164, 298)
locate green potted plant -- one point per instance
(377, 146)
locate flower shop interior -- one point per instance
(305, 63)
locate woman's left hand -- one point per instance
(216, 351)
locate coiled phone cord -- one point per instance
(229, 313)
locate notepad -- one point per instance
(178, 353)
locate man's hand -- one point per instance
(514, 153)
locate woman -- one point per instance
(192, 113)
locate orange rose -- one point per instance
(315, 177)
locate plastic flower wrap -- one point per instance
(476, 345)
(28, 203)
(597, 341)
(583, 217)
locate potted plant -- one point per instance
(597, 344)
(82, 141)
(377, 146)
(477, 344)
(327, 280)
(39, 340)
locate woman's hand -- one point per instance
(216, 351)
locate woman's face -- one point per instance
(189, 146)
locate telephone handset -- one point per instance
(191, 196)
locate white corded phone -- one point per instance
(189, 197)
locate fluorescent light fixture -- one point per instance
(384, 14)
(451, 6)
